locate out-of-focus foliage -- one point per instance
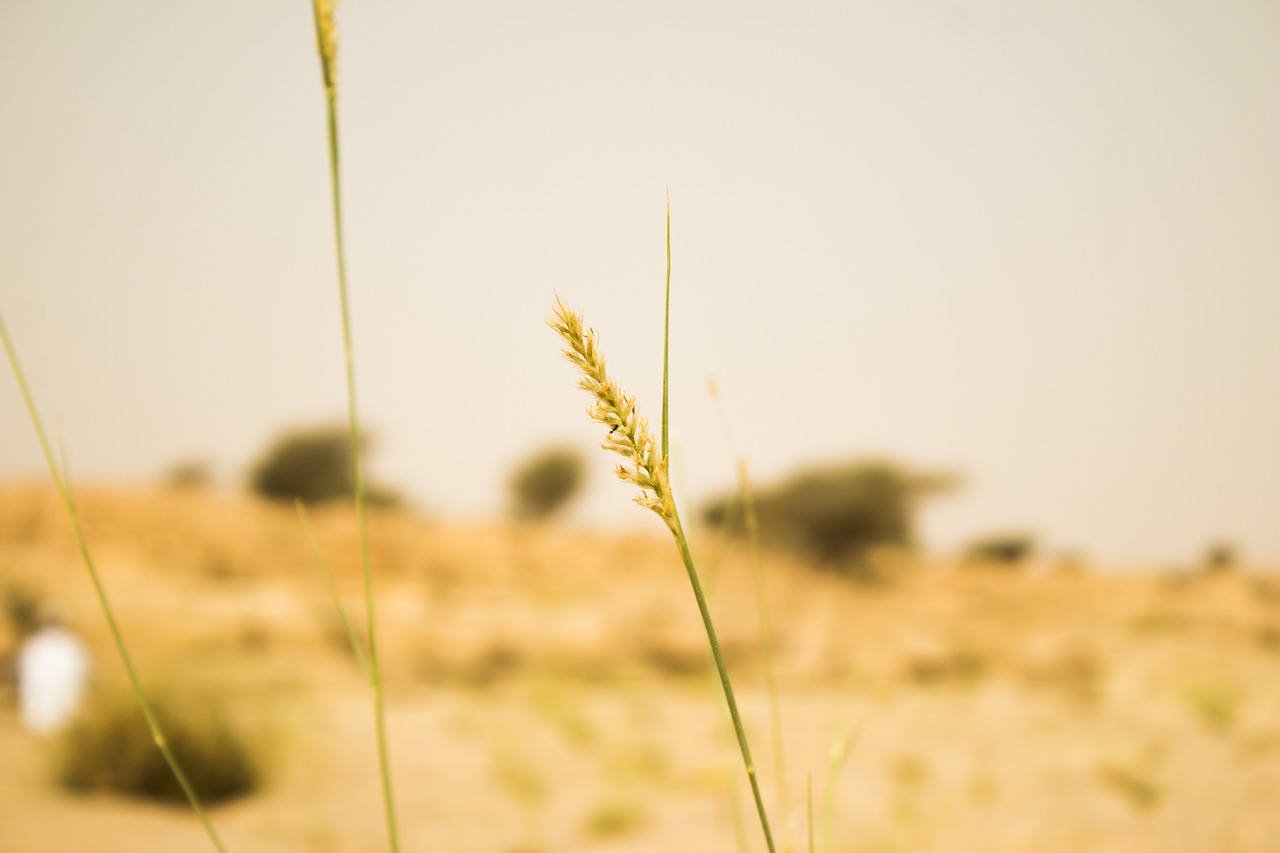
(836, 514)
(545, 482)
(314, 464)
(1220, 556)
(1007, 549)
(189, 474)
(110, 748)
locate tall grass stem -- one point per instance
(62, 484)
(725, 684)
(326, 38)
(354, 640)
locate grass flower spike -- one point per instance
(327, 41)
(629, 434)
(646, 466)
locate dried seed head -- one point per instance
(629, 433)
(327, 41)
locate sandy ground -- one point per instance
(550, 690)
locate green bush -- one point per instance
(836, 514)
(1219, 557)
(545, 482)
(314, 464)
(109, 748)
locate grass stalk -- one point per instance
(835, 763)
(62, 485)
(350, 631)
(725, 684)
(629, 436)
(327, 42)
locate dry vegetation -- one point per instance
(550, 690)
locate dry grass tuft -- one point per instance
(110, 748)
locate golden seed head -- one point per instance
(629, 433)
(327, 40)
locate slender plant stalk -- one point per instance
(354, 640)
(835, 763)
(666, 334)
(327, 41)
(629, 436)
(62, 484)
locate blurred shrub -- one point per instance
(314, 464)
(545, 482)
(837, 514)
(1219, 557)
(189, 474)
(22, 604)
(109, 748)
(1007, 549)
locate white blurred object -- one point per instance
(53, 669)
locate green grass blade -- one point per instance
(666, 335)
(61, 483)
(356, 645)
(685, 554)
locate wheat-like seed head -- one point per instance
(327, 41)
(628, 432)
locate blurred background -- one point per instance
(988, 293)
(1032, 245)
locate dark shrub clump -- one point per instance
(311, 464)
(109, 748)
(545, 482)
(1006, 549)
(836, 514)
(314, 465)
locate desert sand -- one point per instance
(550, 689)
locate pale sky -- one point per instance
(1034, 243)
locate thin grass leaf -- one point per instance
(839, 753)
(356, 645)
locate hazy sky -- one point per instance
(1035, 243)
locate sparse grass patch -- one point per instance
(561, 708)
(1076, 674)
(1157, 621)
(1134, 784)
(1217, 703)
(960, 666)
(613, 817)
